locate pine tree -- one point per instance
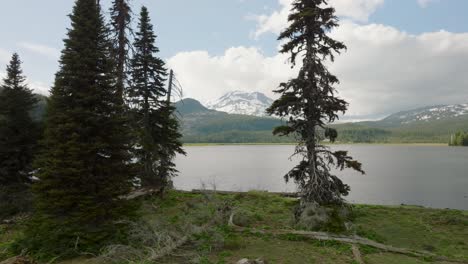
(309, 103)
(170, 146)
(18, 133)
(18, 139)
(121, 19)
(83, 170)
(146, 92)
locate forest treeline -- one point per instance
(459, 139)
(109, 128)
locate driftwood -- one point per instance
(357, 254)
(168, 250)
(354, 240)
(140, 193)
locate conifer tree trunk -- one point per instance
(309, 103)
(121, 18)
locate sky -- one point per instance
(402, 54)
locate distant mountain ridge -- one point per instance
(202, 125)
(426, 114)
(432, 124)
(242, 103)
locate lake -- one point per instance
(431, 176)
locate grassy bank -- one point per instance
(199, 222)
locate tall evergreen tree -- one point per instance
(170, 145)
(309, 102)
(121, 19)
(18, 140)
(83, 171)
(156, 128)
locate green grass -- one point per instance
(443, 232)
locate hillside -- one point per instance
(434, 124)
(202, 125)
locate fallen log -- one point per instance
(354, 240)
(357, 254)
(140, 193)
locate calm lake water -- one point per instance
(417, 175)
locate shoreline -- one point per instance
(295, 195)
(328, 144)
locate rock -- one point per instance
(247, 261)
(243, 218)
(312, 216)
(18, 260)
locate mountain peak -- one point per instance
(243, 103)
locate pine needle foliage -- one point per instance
(18, 132)
(170, 145)
(121, 29)
(83, 170)
(309, 102)
(18, 140)
(156, 128)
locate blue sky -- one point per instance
(223, 31)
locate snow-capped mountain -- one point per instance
(428, 114)
(242, 103)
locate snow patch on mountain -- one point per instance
(428, 114)
(242, 103)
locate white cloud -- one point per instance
(40, 49)
(357, 10)
(384, 70)
(425, 3)
(207, 77)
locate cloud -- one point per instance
(207, 77)
(357, 10)
(40, 49)
(425, 3)
(384, 70)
